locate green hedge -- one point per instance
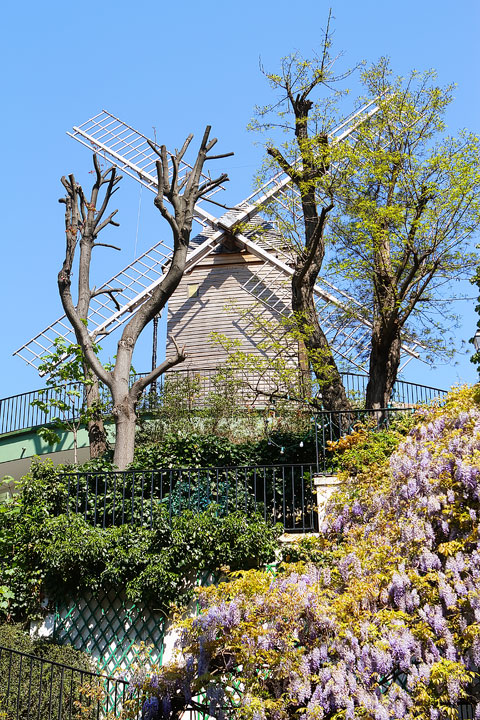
(199, 450)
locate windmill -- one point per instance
(239, 233)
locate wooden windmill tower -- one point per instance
(236, 259)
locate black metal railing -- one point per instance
(466, 711)
(17, 411)
(279, 493)
(32, 688)
(194, 387)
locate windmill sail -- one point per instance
(278, 184)
(124, 293)
(347, 332)
(129, 150)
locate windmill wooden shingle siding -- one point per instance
(223, 294)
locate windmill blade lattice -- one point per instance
(130, 288)
(123, 293)
(270, 289)
(129, 151)
(280, 183)
(342, 318)
(346, 334)
(269, 286)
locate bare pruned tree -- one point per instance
(84, 220)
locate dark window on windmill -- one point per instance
(192, 290)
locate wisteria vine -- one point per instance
(385, 625)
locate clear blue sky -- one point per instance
(177, 66)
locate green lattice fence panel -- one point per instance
(109, 628)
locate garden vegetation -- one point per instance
(49, 555)
(378, 617)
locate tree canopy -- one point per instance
(384, 209)
(403, 224)
(301, 212)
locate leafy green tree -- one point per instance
(404, 220)
(302, 213)
(387, 216)
(71, 399)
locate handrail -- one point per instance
(283, 493)
(279, 493)
(34, 687)
(17, 412)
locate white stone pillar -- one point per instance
(325, 486)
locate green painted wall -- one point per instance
(26, 443)
(19, 447)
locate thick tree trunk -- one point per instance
(333, 392)
(97, 438)
(125, 424)
(384, 364)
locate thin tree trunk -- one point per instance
(308, 263)
(75, 444)
(96, 430)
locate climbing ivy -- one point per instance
(44, 554)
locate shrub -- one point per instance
(368, 446)
(29, 688)
(54, 555)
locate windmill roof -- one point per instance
(262, 231)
